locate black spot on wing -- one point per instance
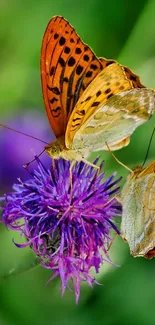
(75, 126)
(81, 113)
(110, 95)
(121, 87)
(67, 50)
(76, 119)
(62, 41)
(107, 91)
(71, 61)
(89, 97)
(56, 111)
(93, 66)
(134, 78)
(65, 79)
(98, 93)
(95, 104)
(55, 90)
(89, 74)
(52, 71)
(53, 100)
(79, 69)
(86, 58)
(62, 62)
(56, 35)
(78, 50)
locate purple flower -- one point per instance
(17, 150)
(67, 225)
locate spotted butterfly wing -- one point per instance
(81, 90)
(67, 68)
(110, 109)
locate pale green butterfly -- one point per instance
(138, 209)
(138, 215)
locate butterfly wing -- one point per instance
(115, 120)
(67, 68)
(97, 97)
(138, 216)
(148, 170)
(129, 74)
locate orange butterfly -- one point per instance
(89, 101)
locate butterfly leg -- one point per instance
(94, 166)
(53, 163)
(118, 161)
(109, 246)
(118, 199)
(71, 176)
(113, 198)
(91, 164)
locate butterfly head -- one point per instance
(136, 171)
(57, 149)
(53, 149)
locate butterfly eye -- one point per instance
(55, 150)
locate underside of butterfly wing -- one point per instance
(67, 68)
(115, 121)
(100, 97)
(138, 216)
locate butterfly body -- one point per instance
(138, 217)
(57, 149)
(89, 100)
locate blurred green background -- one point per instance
(122, 30)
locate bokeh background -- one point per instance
(122, 30)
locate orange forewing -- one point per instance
(67, 67)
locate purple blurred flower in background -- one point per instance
(68, 227)
(16, 149)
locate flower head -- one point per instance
(67, 220)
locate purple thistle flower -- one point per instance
(68, 227)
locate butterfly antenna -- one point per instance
(22, 133)
(148, 149)
(118, 161)
(26, 165)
